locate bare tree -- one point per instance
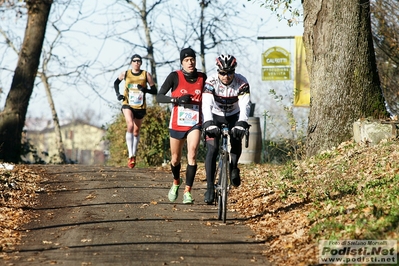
(12, 118)
(69, 74)
(138, 15)
(163, 28)
(53, 64)
(208, 27)
(46, 84)
(57, 129)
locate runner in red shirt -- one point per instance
(185, 86)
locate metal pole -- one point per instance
(264, 137)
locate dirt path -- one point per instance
(117, 216)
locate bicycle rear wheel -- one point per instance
(222, 200)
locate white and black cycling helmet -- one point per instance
(226, 62)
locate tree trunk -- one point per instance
(344, 83)
(12, 118)
(149, 45)
(203, 5)
(57, 129)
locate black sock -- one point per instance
(176, 171)
(190, 174)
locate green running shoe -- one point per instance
(187, 198)
(174, 191)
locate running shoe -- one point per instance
(131, 163)
(187, 198)
(174, 191)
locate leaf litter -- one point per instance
(349, 192)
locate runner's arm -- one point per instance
(153, 87)
(117, 82)
(170, 83)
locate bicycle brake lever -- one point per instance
(246, 138)
(204, 137)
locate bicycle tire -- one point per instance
(224, 185)
(218, 189)
(219, 205)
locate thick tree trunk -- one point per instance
(344, 83)
(12, 118)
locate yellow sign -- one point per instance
(276, 73)
(276, 56)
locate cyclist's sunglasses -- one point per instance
(228, 73)
(136, 60)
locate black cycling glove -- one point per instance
(238, 131)
(211, 130)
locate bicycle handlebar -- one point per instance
(227, 133)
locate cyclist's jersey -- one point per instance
(185, 116)
(133, 96)
(226, 100)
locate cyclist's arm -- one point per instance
(170, 83)
(244, 102)
(207, 102)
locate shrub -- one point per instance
(154, 138)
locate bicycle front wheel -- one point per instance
(223, 187)
(219, 190)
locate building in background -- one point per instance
(83, 144)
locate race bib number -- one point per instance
(136, 97)
(188, 115)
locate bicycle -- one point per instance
(222, 184)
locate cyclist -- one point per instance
(134, 102)
(186, 86)
(226, 99)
